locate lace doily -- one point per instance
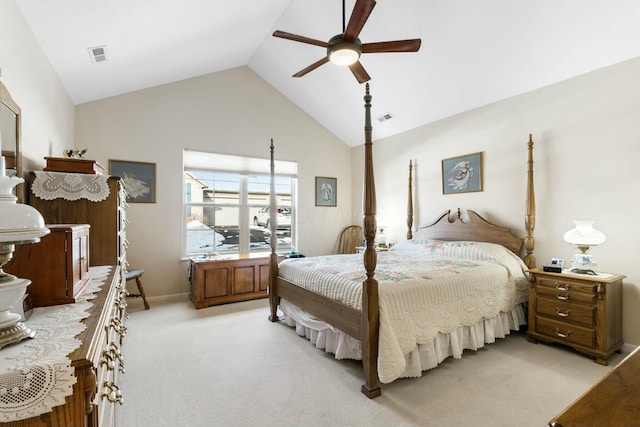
(36, 374)
(70, 186)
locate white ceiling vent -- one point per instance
(385, 117)
(98, 53)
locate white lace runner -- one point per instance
(36, 374)
(70, 186)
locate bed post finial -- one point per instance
(410, 203)
(530, 217)
(370, 326)
(273, 260)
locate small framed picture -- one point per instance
(462, 174)
(139, 179)
(326, 191)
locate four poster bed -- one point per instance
(456, 284)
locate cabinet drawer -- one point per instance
(567, 290)
(566, 332)
(567, 311)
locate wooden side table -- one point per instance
(578, 310)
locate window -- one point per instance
(226, 204)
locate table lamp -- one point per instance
(583, 236)
(19, 224)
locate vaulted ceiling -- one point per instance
(473, 52)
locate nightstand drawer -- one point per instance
(566, 290)
(565, 311)
(566, 332)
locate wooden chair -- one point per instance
(135, 275)
(349, 239)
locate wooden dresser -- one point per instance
(577, 310)
(613, 401)
(226, 279)
(97, 363)
(107, 244)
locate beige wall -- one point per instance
(47, 111)
(230, 112)
(587, 139)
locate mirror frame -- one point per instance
(7, 100)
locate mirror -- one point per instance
(10, 137)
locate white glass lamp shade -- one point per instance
(19, 223)
(583, 236)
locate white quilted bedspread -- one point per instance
(426, 287)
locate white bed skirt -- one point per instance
(423, 356)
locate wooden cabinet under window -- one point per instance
(228, 279)
(580, 311)
(58, 265)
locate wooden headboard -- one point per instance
(475, 229)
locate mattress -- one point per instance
(428, 289)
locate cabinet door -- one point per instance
(77, 255)
(216, 282)
(244, 279)
(264, 278)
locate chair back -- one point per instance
(350, 237)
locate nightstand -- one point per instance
(578, 310)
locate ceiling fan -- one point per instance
(346, 48)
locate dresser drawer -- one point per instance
(567, 311)
(566, 332)
(111, 363)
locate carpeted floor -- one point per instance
(229, 366)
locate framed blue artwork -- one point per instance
(139, 179)
(326, 191)
(462, 174)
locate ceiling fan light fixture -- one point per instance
(343, 53)
(346, 56)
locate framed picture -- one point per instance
(326, 191)
(462, 174)
(139, 179)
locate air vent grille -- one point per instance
(385, 117)
(98, 53)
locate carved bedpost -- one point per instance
(273, 260)
(530, 217)
(370, 307)
(410, 204)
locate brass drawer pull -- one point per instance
(563, 297)
(117, 326)
(564, 313)
(563, 334)
(109, 357)
(562, 286)
(112, 393)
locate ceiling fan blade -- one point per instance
(359, 72)
(301, 39)
(311, 67)
(359, 16)
(412, 45)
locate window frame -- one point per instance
(246, 206)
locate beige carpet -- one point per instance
(229, 366)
